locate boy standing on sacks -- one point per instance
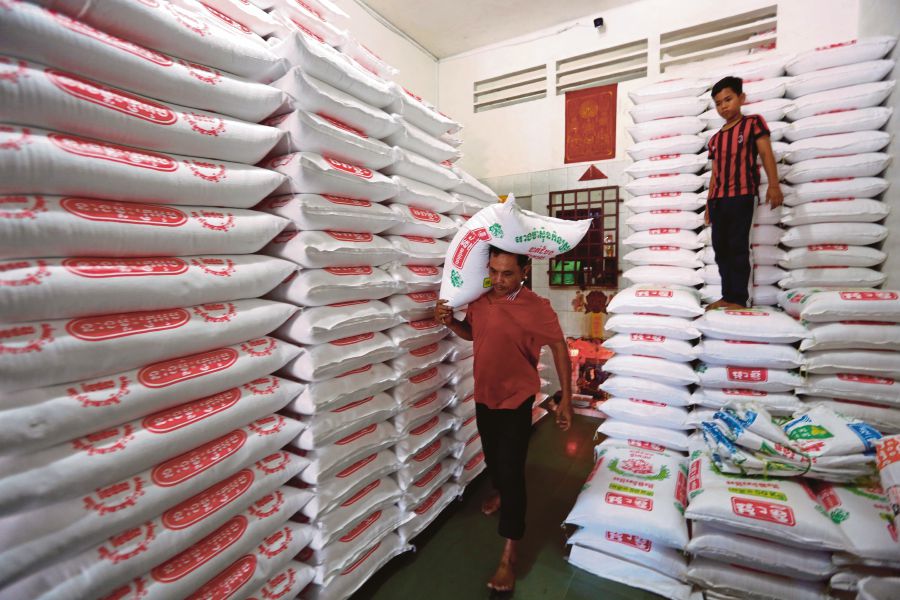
(734, 187)
(509, 325)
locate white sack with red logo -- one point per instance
(664, 255)
(310, 173)
(858, 165)
(107, 456)
(731, 580)
(864, 516)
(312, 212)
(842, 53)
(330, 493)
(422, 410)
(417, 140)
(851, 121)
(318, 287)
(422, 195)
(321, 61)
(428, 510)
(300, 16)
(319, 98)
(461, 348)
(42, 417)
(663, 437)
(342, 584)
(247, 14)
(645, 412)
(349, 387)
(430, 482)
(467, 430)
(45, 97)
(872, 362)
(366, 58)
(626, 572)
(40, 161)
(415, 278)
(672, 301)
(657, 346)
(470, 469)
(828, 255)
(328, 360)
(646, 389)
(772, 110)
(471, 186)
(38, 226)
(327, 461)
(767, 275)
(776, 403)
(781, 510)
(48, 352)
(36, 538)
(666, 201)
(886, 451)
(32, 33)
(209, 12)
(832, 277)
(750, 378)
(421, 113)
(464, 368)
(422, 434)
(676, 144)
(320, 324)
(262, 529)
(849, 210)
(751, 324)
(662, 128)
(677, 328)
(838, 77)
(466, 208)
(325, 135)
(420, 253)
(663, 275)
(851, 187)
(852, 97)
(655, 219)
(328, 426)
(655, 515)
(666, 182)
(840, 143)
(417, 167)
(320, 249)
(416, 221)
(667, 236)
(685, 106)
(418, 386)
(287, 583)
(375, 495)
(854, 386)
(416, 334)
(421, 462)
(670, 88)
(413, 307)
(883, 417)
(77, 287)
(841, 305)
(858, 335)
(633, 549)
(748, 354)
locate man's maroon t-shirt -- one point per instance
(508, 336)
(733, 152)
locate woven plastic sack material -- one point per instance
(658, 436)
(656, 346)
(107, 456)
(853, 334)
(49, 352)
(853, 234)
(634, 549)
(665, 236)
(461, 349)
(858, 165)
(676, 328)
(39, 226)
(328, 460)
(883, 417)
(467, 207)
(871, 362)
(329, 426)
(428, 510)
(770, 110)
(780, 510)
(752, 378)
(627, 572)
(422, 195)
(39, 418)
(310, 173)
(822, 432)
(665, 201)
(413, 221)
(247, 16)
(32, 33)
(308, 132)
(832, 277)
(416, 167)
(838, 77)
(422, 410)
(318, 287)
(853, 97)
(321, 61)
(420, 112)
(865, 517)
(608, 499)
(509, 228)
(321, 324)
(861, 304)
(888, 453)
(303, 17)
(678, 144)
(234, 26)
(644, 412)
(853, 187)
(732, 581)
(366, 58)
(325, 361)
(854, 386)
(409, 391)
(845, 210)
(348, 387)
(655, 369)
(767, 255)
(351, 578)
(287, 581)
(662, 218)
(421, 462)
(877, 588)
(330, 493)
(751, 324)
(54, 99)
(762, 89)
(413, 307)
(837, 144)
(416, 334)
(39, 161)
(776, 403)
(313, 212)
(79, 287)
(672, 88)
(753, 354)
(321, 249)
(663, 275)
(841, 53)
(472, 187)
(863, 119)
(317, 97)
(415, 278)
(413, 138)
(375, 495)
(666, 182)
(664, 255)
(431, 481)
(675, 301)
(667, 108)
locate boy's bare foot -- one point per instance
(504, 578)
(716, 304)
(491, 504)
(734, 306)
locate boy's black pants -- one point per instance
(504, 440)
(731, 220)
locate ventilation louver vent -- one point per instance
(610, 65)
(511, 88)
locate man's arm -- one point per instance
(444, 314)
(773, 194)
(564, 370)
(712, 186)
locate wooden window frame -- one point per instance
(595, 261)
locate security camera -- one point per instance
(598, 22)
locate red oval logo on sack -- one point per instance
(360, 172)
(117, 100)
(361, 527)
(429, 476)
(107, 441)
(195, 509)
(423, 271)
(205, 124)
(353, 405)
(424, 350)
(268, 425)
(22, 207)
(170, 372)
(355, 371)
(423, 297)
(869, 296)
(356, 466)
(227, 20)
(826, 247)
(169, 420)
(183, 467)
(420, 239)
(274, 462)
(425, 324)
(343, 236)
(747, 375)
(664, 231)
(201, 552)
(733, 392)
(422, 214)
(428, 451)
(653, 294)
(645, 337)
(343, 126)
(425, 427)
(865, 379)
(422, 377)
(124, 212)
(664, 248)
(429, 502)
(307, 31)
(107, 327)
(115, 497)
(96, 268)
(218, 312)
(474, 461)
(357, 435)
(110, 40)
(349, 270)
(228, 582)
(346, 201)
(361, 494)
(426, 400)
(627, 539)
(113, 152)
(127, 544)
(349, 341)
(361, 559)
(267, 505)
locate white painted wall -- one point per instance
(418, 70)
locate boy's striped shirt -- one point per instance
(733, 152)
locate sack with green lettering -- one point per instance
(509, 228)
(864, 516)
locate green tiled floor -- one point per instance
(455, 556)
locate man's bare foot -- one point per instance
(716, 304)
(504, 578)
(491, 504)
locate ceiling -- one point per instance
(448, 27)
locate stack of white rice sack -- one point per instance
(836, 155)
(630, 518)
(140, 436)
(651, 371)
(852, 355)
(764, 86)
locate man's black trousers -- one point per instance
(504, 439)
(732, 219)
